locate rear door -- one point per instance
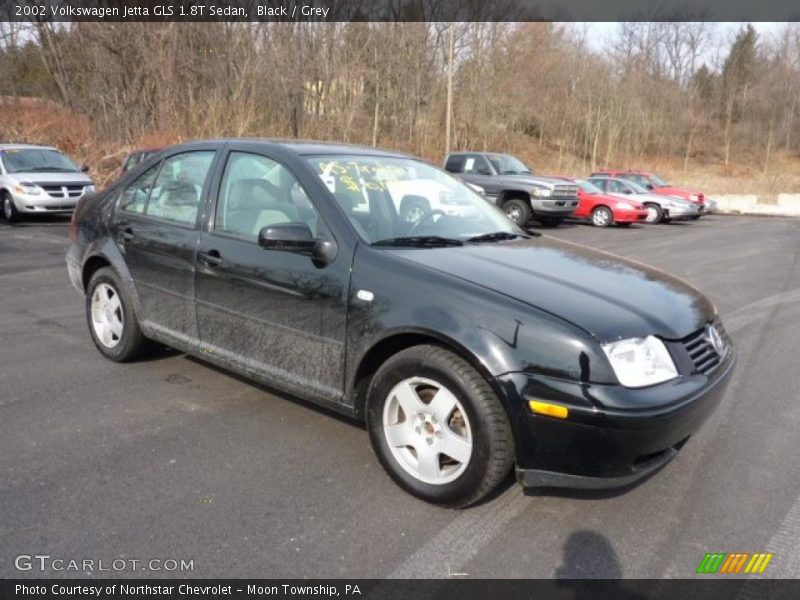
(156, 227)
(277, 314)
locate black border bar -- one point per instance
(398, 10)
(699, 588)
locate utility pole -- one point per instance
(450, 43)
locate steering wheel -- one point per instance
(426, 218)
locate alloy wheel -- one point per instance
(514, 213)
(427, 430)
(108, 320)
(414, 214)
(652, 214)
(601, 217)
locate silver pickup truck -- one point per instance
(39, 180)
(511, 184)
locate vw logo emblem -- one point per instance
(715, 338)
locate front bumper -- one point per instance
(680, 213)
(630, 216)
(599, 447)
(554, 207)
(45, 204)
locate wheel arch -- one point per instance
(93, 264)
(395, 342)
(512, 194)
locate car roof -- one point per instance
(25, 147)
(304, 147)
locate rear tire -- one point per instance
(438, 428)
(518, 210)
(10, 211)
(111, 318)
(602, 217)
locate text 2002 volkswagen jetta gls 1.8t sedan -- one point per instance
(468, 345)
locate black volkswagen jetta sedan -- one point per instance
(467, 345)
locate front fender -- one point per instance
(499, 333)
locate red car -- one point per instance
(602, 209)
(656, 185)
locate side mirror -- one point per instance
(291, 237)
(297, 237)
(649, 186)
(627, 191)
(85, 168)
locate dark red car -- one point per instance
(602, 209)
(656, 185)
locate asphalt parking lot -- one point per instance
(170, 458)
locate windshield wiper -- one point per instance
(421, 241)
(496, 236)
(53, 169)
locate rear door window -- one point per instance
(178, 191)
(135, 196)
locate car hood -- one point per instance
(657, 198)
(529, 180)
(608, 296)
(53, 177)
(669, 190)
(613, 199)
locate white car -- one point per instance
(415, 198)
(39, 180)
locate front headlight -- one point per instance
(541, 193)
(639, 362)
(695, 197)
(30, 189)
(624, 206)
(89, 189)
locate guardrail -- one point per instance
(782, 205)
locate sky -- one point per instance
(603, 33)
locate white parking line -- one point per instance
(448, 551)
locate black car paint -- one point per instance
(528, 314)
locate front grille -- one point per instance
(705, 357)
(70, 190)
(565, 191)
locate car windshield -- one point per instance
(505, 164)
(657, 181)
(639, 189)
(28, 160)
(403, 201)
(588, 187)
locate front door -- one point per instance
(156, 228)
(276, 314)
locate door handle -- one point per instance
(212, 258)
(127, 234)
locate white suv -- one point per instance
(39, 179)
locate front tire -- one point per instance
(10, 211)
(518, 210)
(414, 211)
(602, 217)
(438, 428)
(111, 318)
(654, 213)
